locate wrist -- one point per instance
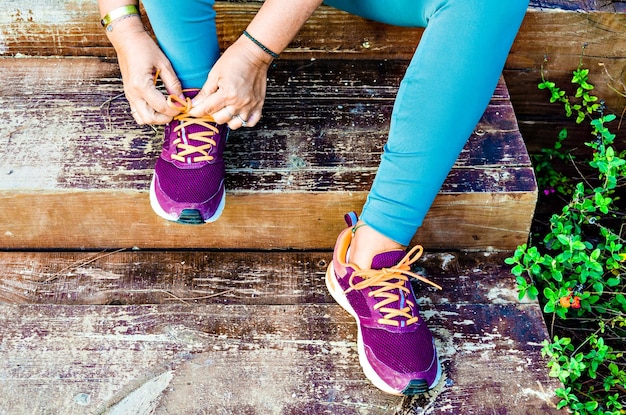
(254, 52)
(125, 27)
(116, 14)
(261, 46)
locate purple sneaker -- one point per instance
(396, 348)
(188, 182)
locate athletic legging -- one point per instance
(445, 90)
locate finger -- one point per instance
(170, 80)
(254, 118)
(207, 102)
(223, 116)
(145, 114)
(158, 103)
(238, 121)
(135, 115)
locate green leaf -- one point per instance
(563, 239)
(610, 153)
(595, 254)
(613, 282)
(598, 287)
(562, 403)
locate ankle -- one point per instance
(367, 243)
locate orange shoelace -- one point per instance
(185, 149)
(391, 289)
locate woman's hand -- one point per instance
(140, 59)
(235, 88)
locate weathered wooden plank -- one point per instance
(587, 5)
(205, 277)
(90, 157)
(602, 35)
(71, 27)
(260, 359)
(96, 144)
(303, 220)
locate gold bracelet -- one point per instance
(118, 14)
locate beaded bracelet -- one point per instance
(261, 45)
(118, 14)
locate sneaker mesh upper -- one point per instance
(190, 185)
(407, 352)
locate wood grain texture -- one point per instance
(76, 170)
(264, 359)
(305, 220)
(557, 29)
(586, 5)
(72, 28)
(208, 277)
(272, 342)
(603, 37)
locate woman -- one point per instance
(456, 67)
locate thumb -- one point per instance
(207, 99)
(170, 80)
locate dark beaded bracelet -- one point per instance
(261, 45)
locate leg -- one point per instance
(445, 91)
(441, 98)
(187, 34)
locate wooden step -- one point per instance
(237, 333)
(76, 169)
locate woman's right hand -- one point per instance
(140, 59)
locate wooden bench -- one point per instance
(108, 309)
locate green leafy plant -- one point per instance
(577, 268)
(549, 178)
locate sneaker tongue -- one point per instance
(388, 259)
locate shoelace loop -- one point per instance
(391, 289)
(185, 149)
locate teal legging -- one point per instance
(444, 92)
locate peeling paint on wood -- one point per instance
(71, 27)
(273, 342)
(266, 359)
(205, 277)
(91, 158)
(145, 399)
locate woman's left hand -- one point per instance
(234, 92)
